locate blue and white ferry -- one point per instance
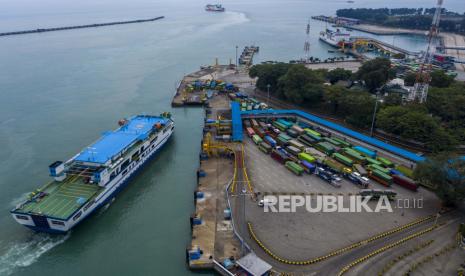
(94, 176)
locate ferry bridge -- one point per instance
(360, 40)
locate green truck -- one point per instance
(372, 161)
(279, 126)
(379, 168)
(294, 167)
(325, 147)
(307, 157)
(265, 147)
(332, 141)
(386, 162)
(381, 178)
(355, 156)
(342, 142)
(336, 166)
(344, 160)
(256, 139)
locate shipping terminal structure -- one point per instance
(92, 178)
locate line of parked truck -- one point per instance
(302, 148)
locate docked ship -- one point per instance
(92, 178)
(214, 8)
(334, 38)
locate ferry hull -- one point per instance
(107, 197)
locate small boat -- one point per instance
(214, 8)
(331, 51)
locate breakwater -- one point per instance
(80, 26)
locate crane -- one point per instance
(420, 89)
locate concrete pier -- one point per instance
(42, 30)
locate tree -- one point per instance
(416, 124)
(301, 85)
(393, 99)
(441, 79)
(375, 73)
(333, 95)
(338, 74)
(410, 79)
(357, 107)
(446, 172)
(268, 74)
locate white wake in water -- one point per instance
(230, 18)
(23, 254)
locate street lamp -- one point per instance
(236, 56)
(374, 115)
(268, 92)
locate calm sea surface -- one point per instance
(60, 90)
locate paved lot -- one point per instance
(303, 235)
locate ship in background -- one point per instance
(214, 8)
(92, 178)
(334, 38)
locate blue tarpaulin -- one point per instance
(113, 142)
(236, 122)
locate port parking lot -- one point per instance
(304, 235)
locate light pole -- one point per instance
(374, 115)
(268, 92)
(236, 56)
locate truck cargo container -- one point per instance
(286, 123)
(297, 144)
(332, 141)
(342, 142)
(334, 165)
(379, 168)
(279, 126)
(396, 172)
(307, 157)
(314, 137)
(308, 167)
(325, 147)
(279, 156)
(344, 160)
(247, 123)
(360, 169)
(282, 142)
(294, 167)
(380, 177)
(263, 125)
(256, 139)
(354, 155)
(406, 171)
(285, 137)
(372, 161)
(265, 147)
(365, 151)
(316, 153)
(250, 132)
(270, 141)
(405, 182)
(312, 132)
(292, 133)
(259, 132)
(386, 162)
(305, 139)
(298, 129)
(254, 123)
(293, 150)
